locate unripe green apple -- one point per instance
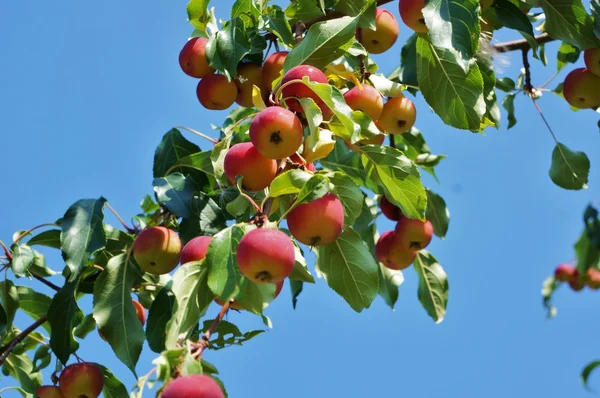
(414, 234)
(276, 132)
(564, 273)
(317, 223)
(581, 89)
(385, 34)
(216, 93)
(390, 252)
(193, 386)
(366, 99)
(157, 250)
(411, 12)
(248, 75)
(80, 380)
(236, 305)
(266, 255)
(48, 392)
(591, 57)
(192, 58)
(300, 90)
(390, 210)
(257, 171)
(195, 249)
(272, 68)
(398, 116)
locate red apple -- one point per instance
(257, 171)
(193, 386)
(411, 12)
(398, 116)
(192, 58)
(317, 223)
(276, 132)
(564, 273)
(216, 93)
(272, 68)
(48, 392)
(157, 250)
(266, 255)
(414, 234)
(248, 76)
(367, 100)
(591, 57)
(390, 252)
(581, 89)
(195, 249)
(385, 34)
(83, 379)
(300, 90)
(389, 210)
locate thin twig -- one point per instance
(252, 201)
(6, 251)
(214, 141)
(7, 349)
(123, 223)
(392, 140)
(24, 234)
(45, 281)
(361, 58)
(528, 87)
(521, 44)
(204, 341)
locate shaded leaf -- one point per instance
(433, 285)
(224, 276)
(567, 20)
(64, 315)
(159, 315)
(570, 169)
(175, 191)
(438, 214)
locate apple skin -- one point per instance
(398, 116)
(564, 273)
(413, 234)
(317, 223)
(257, 171)
(390, 253)
(216, 93)
(193, 386)
(48, 392)
(192, 58)
(248, 75)
(592, 279)
(311, 167)
(390, 210)
(195, 249)
(238, 306)
(385, 34)
(266, 255)
(83, 379)
(276, 132)
(411, 12)
(591, 57)
(367, 100)
(157, 250)
(300, 90)
(272, 68)
(577, 284)
(581, 89)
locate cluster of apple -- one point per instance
(398, 249)
(581, 87)
(83, 379)
(570, 274)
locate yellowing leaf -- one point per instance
(318, 145)
(257, 99)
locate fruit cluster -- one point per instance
(398, 249)
(581, 87)
(83, 379)
(570, 274)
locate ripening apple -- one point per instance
(591, 57)
(300, 90)
(366, 99)
(390, 252)
(577, 284)
(272, 68)
(48, 392)
(195, 249)
(317, 223)
(192, 58)
(157, 250)
(411, 12)
(581, 89)
(257, 171)
(414, 234)
(248, 75)
(193, 386)
(564, 272)
(276, 132)
(592, 279)
(84, 379)
(216, 93)
(390, 210)
(398, 116)
(236, 305)
(385, 34)
(311, 167)
(266, 255)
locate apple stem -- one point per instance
(7, 349)
(123, 223)
(44, 281)
(252, 202)
(6, 251)
(214, 141)
(24, 234)
(361, 58)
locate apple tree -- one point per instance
(318, 145)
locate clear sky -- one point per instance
(87, 89)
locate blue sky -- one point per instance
(89, 88)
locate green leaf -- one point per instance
(569, 169)
(413, 144)
(438, 214)
(23, 393)
(350, 269)
(315, 188)
(23, 257)
(276, 23)
(508, 104)
(389, 282)
(365, 224)
(595, 6)
(198, 161)
(505, 84)
(433, 285)
(115, 314)
(4, 326)
(254, 297)
(567, 54)
(82, 232)
(244, 7)
(349, 194)
(456, 96)
(344, 160)
(148, 204)
(228, 46)
(159, 315)
(587, 371)
(206, 218)
(87, 326)
(171, 149)
(588, 253)
(227, 334)
(174, 191)
(492, 111)
(407, 72)
(296, 288)
(197, 13)
(20, 367)
(113, 387)
(49, 238)
(9, 299)
(64, 315)
(289, 182)
(454, 28)
(512, 17)
(385, 86)
(34, 304)
(42, 354)
(567, 20)
(399, 178)
(304, 10)
(300, 271)
(192, 298)
(224, 277)
(324, 42)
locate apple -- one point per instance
(276, 132)
(192, 58)
(317, 223)
(266, 255)
(257, 171)
(366, 99)
(195, 249)
(581, 89)
(292, 91)
(411, 12)
(413, 234)
(398, 115)
(390, 210)
(591, 57)
(564, 273)
(48, 392)
(193, 386)
(216, 93)
(390, 252)
(248, 75)
(157, 250)
(84, 379)
(385, 34)
(272, 68)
